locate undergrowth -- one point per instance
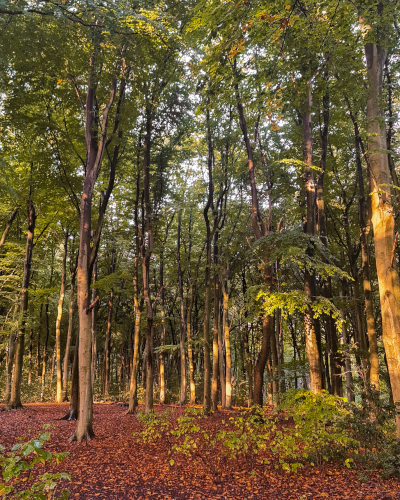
(306, 428)
(25, 457)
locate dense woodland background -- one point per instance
(199, 201)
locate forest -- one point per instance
(199, 252)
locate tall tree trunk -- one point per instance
(347, 362)
(30, 356)
(383, 220)
(190, 348)
(215, 364)
(59, 318)
(369, 308)
(73, 411)
(146, 254)
(10, 365)
(107, 343)
(331, 335)
(95, 146)
(182, 325)
(207, 301)
(225, 323)
(138, 310)
(259, 230)
(94, 325)
(15, 400)
(70, 327)
(222, 373)
(309, 277)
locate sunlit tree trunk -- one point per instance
(59, 318)
(190, 348)
(15, 400)
(70, 326)
(309, 278)
(383, 220)
(225, 322)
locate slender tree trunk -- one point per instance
(182, 325)
(30, 356)
(15, 400)
(383, 220)
(70, 327)
(146, 254)
(73, 411)
(222, 373)
(59, 318)
(190, 348)
(215, 364)
(94, 325)
(347, 362)
(369, 309)
(309, 278)
(207, 299)
(331, 335)
(10, 365)
(107, 344)
(225, 322)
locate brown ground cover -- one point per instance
(115, 466)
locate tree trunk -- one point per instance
(309, 278)
(59, 318)
(107, 344)
(146, 254)
(73, 411)
(383, 220)
(215, 364)
(70, 327)
(225, 323)
(138, 310)
(207, 304)
(369, 309)
(190, 348)
(182, 325)
(331, 335)
(347, 362)
(10, 365)
(94, 325)
(30, 356)
(15, 400)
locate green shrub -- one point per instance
(23, 457)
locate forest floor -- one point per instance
(115, 466)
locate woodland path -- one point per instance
(115, 466)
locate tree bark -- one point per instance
(225, 323)
(147, 248)
(15, 400)
(309, 277)
(107, 344)
(207, 361)
(182, 325)
(94, 324)
(59, 318)
(369, 308)
(331, 334)
(70, 325)
(383, 220)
